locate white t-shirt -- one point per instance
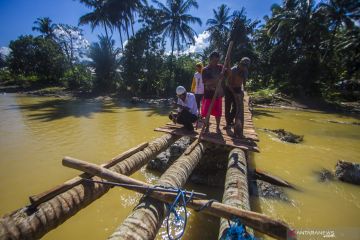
(199, 87)
(190, 102)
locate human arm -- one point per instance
(193, 84)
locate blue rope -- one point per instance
(237, 231)
(181, 196)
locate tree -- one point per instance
(219, 27)
(98, 17)
(122, 14)
(175, 22)
(37, 59)
(339, 13)
(72, 42)
(106, 64)
(45, 27)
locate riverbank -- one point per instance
(258, 99)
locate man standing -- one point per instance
(187, 109)
(211, 75)
(234, 96)
(197, 85)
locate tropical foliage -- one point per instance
(304, 47)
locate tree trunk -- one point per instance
(236, 191)
(106, 31)
(144, 222)
(121, 40)
(132, 24)
(26, 223)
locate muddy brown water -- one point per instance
(36, 132)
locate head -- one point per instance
(199, 67)
(181, 92)
(214, 58)
(244, 62)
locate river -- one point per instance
(37, 132)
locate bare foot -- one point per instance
(218, 130)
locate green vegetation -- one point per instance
(302, 49)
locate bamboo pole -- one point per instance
(146, 219)
(259, 221)
(44, 196)
(236, 191)
(28, 223)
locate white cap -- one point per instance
(180, 90)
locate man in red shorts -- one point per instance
(211, 75)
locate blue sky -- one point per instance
(17, 16)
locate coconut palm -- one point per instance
(98, 17)
(176, 20)
(339, 13)
(106, 63)
(122, 14)
(219, 27)
(45, 27)
(221, 20)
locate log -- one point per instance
(236, 191)
(260, 222)
(35, 200)
(267, 177)
(29, 223)
(146, 219)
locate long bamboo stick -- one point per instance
(26, 223)
(258, 221)
(44, 196)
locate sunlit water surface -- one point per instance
(36, 133)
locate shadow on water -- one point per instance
(54, 109)
(263, 113)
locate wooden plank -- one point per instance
(236, 144)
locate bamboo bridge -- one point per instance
(48, 210)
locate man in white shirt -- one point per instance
(187, 109)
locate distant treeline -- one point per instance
(303, 48)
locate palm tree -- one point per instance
(45, 27)
(219, 27)
(176, 20)
(105, 62)
(122, 14)
(98, 17)
(221, 20)
(339, 13)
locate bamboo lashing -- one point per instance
(260, 222)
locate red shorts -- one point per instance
(216, 110)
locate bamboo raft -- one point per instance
(51, 208)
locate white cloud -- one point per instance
(5, 51)
(201, 42)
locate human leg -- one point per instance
(187, 119)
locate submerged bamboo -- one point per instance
(146, 219)
(236, 192)
(30, 223)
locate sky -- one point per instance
(17, 16)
